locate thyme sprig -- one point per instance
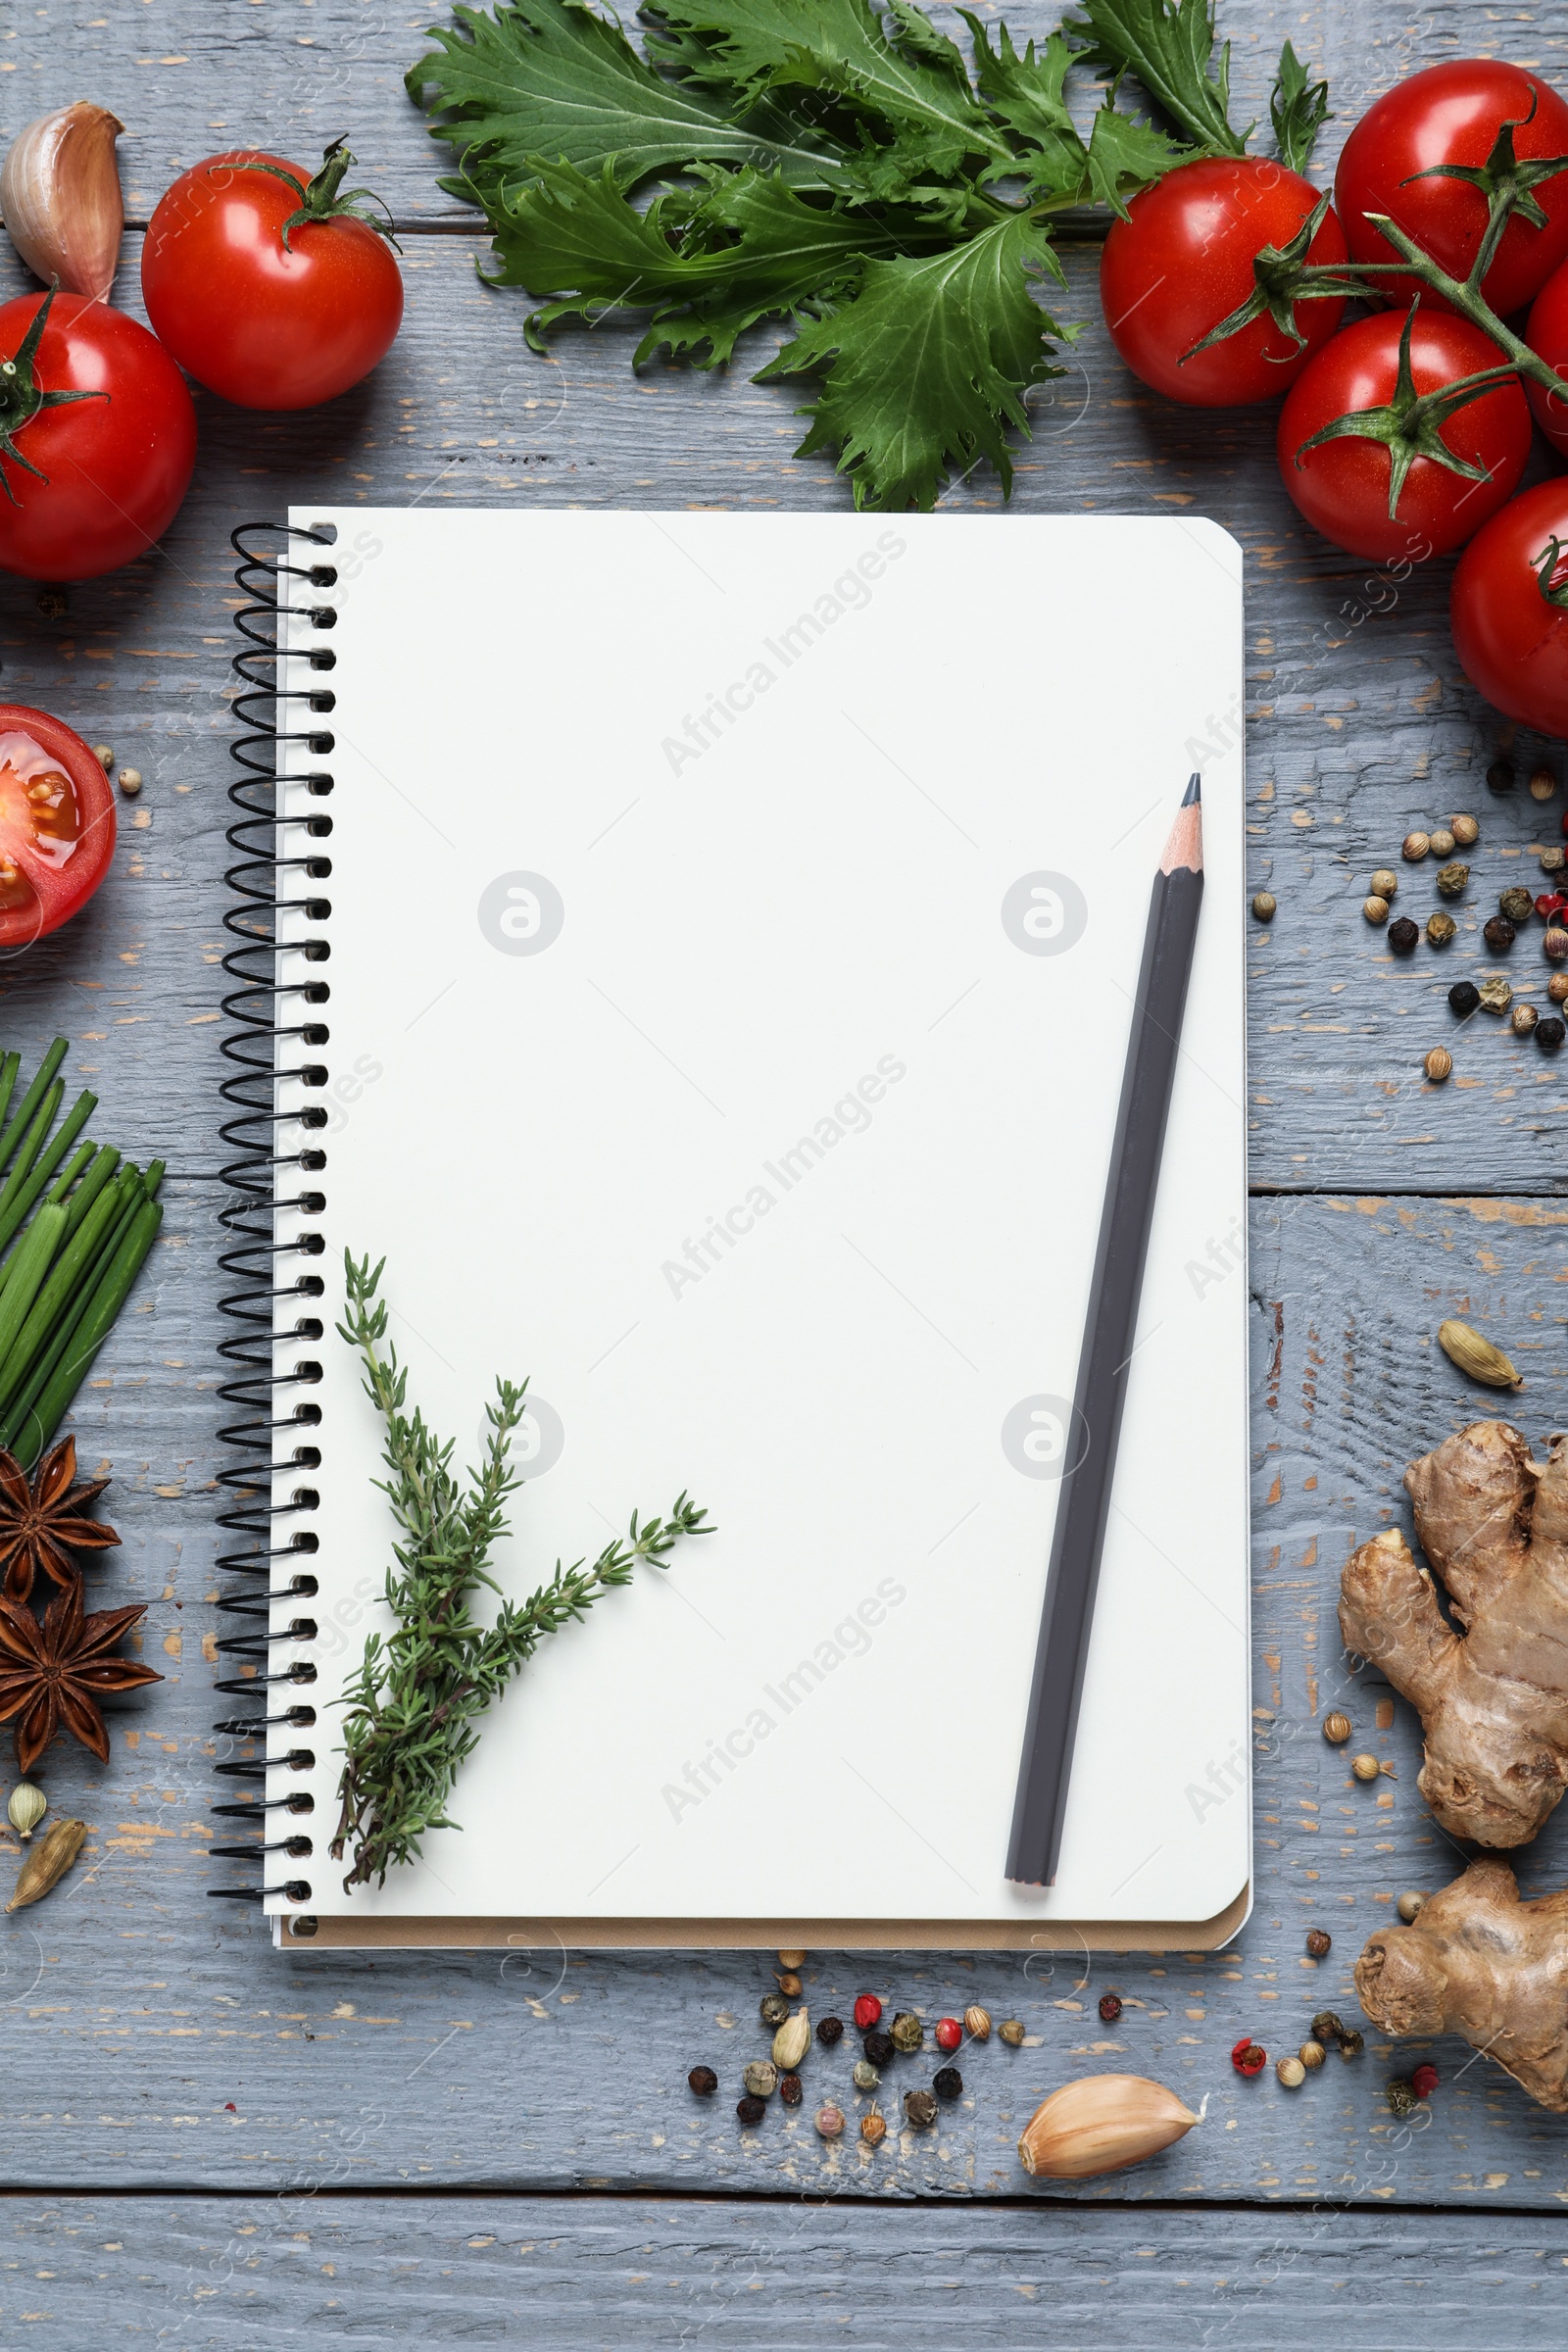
(412, 1711)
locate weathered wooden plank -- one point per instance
(487, 2270)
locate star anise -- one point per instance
(54, 1670)
(42, 1525)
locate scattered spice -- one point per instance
(977, 2023)
(1352, 2043)
(796, 1960)
(1466, 830)
(1249, 2057)
(1319, 1942)
(1424, 2080)
(760, 2077)
(949, 2034)
(1265, 907)
(1400, 2095)
(1557, 986)
(104, 754)
(751, 2111)
(773, 2009)
(1476, 1360)
(791, 2089)
(1290, 2072)
(1366, 1768)
(703, 2080)
(1326, 2027)
(1311, 2055)
(1403, 935)
(829, 2031)
(48, 1862)
(1384, 883)
(130, 782)
(866, 2076)
(1442, 842)
(26, 1808)
(1553, 861)
(1441, 928)
(1517, 905)
(54, 1671)
(1437, 1064)
(1110, 2008)
(1011, 2031)
(873, 2128)
(830, 2121)
(1409, 1904)
(1495, 996)
(792, 2041)
(1543, 784)
(907, 2031)
(42, 1524)
(1498, 934)
(879, 2046)
(1337, 1729)
(868, 2012)
(789, 1982)
(1463, 998)
(1499, 777)
(920, 2108)
(1554, 944)
(1415, 847)
(1376, 910)
(948, 2083)
(1550, 1034)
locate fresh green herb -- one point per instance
(1299, 108)
(1168, 45)
(72, 1252)
(843, 169)
(413, 1709)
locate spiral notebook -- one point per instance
(695, 951)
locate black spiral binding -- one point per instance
(274, 1028)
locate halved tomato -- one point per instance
(57, 824)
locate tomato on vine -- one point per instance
(97, 437)
(1508, 608)
(1429, 155)
(1183, 261)
(1403, 435)
(276, 293)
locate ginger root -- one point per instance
(1479, 1962)
(1493, 1701)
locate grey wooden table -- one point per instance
(207, 2142)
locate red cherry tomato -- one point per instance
(92, 482)
(1513, 643)
(1451, 114)
(265, 324)
(1343, 485)
(57, 823)
(1548, 334)
(1181, 261)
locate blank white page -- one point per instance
(733, 919)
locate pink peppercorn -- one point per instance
(1249, 2057)
(868, 2012)
(950, 2033)
(1424, 2081)
(830, 2121)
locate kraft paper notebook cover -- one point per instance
(728, 924)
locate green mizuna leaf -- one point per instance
(1299, 108)
(550, 77)
(1169, 44)
(746, 247)
(1125, 156)
(1024, 94)
(927, 366)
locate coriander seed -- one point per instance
(751, 2111)
(791, 2089)
(1311, 2055)
(1439, 1065)
(1265, 907)
(907, 2031)
(1557, 986)
(1290, 2072)
(773, 2009)
(1466, 830)
(977, 2023)
(920, 2108)
(1319, 1942)
(1364, 1767)
(1403, 935)
(1441, 928)
(1011, 2031)
(1376, 910)
(873, 2128)
(1337, 1729)
(948, 2083)
(830, 2121)
(830, 2029)
(760, 2077)
(1442, 842)
(1384, 883)
(1523, 1020)
(1498, 934)
(864, 2074)
(1463, 998)
(703, 2080)
(1110, 2008)
(1543, 784)
(1410, 1904)
(1415, 847)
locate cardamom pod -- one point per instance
(1476, 1358)
(792, 2041)
(26, 1808)
(1101, 2124)
(48, 1863)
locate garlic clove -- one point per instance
(1101, 2124)
(60, 195)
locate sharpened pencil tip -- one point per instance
(1194, 791)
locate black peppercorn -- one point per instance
(791, 2089)
(829, 2031)
(751, 2111)
(879, 2046)
(1499, 777)
(1550, 1034)
(948, 2083)
(1463, 998)
(1319, 1941)
(920, 2107)
(1403, 935)
(1500, 935)
(1110, 2008)
(703, 2080)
